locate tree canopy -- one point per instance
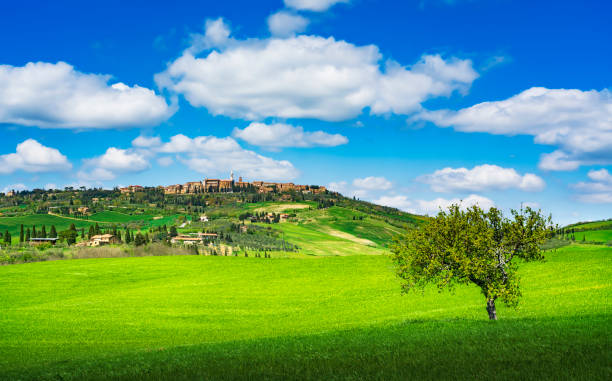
(472, 246)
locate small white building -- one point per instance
(203, 218)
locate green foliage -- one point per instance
(472, 246)
(139, 240)
(69, 236)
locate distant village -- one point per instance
(230, 185)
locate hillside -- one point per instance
(593, 231)
(275, 223)
(197, 317)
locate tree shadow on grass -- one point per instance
(566, 348)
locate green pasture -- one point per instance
(369, 227)
(595, 235)
(118, 217)
(12, 224)
(332, 318)
(593, 225)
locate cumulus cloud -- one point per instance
(217, 34)
(432, 207)
(31, 156)
(578, 122)
(597, 191)
(372, 183)
(145, 142)
(57, 96)
(279, 135)
(210, 155)
(308, 77)
(113, 162)
(285, 24)
(481, 178)
(361, 187)
(313, 5)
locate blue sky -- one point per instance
(413, 104)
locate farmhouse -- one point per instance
(102, 239)
(83, 210)
(131, 189)
(186, 240)
(40, 241)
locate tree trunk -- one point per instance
(491, 309)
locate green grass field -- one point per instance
(12, 224)
(331, 318)
(118, 217)
(595, 235)
(593, 225)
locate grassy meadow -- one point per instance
(334, 317)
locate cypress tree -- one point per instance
(43, 232)
(34, 232)
(21, 234)
(139, 240)
(72, 227)
(27, 235)
(97, 229)
(53, 232)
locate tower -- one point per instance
(232, 175)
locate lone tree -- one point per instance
(472, 246)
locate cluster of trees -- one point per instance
(25, 234)
(270, 218)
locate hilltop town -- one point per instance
(230, 185)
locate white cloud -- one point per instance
(206, 145)
(398, 201)
(480, 178)
(309, 77)
(51, 186)
(578, 122)
(15, 187)
(210, 155)
(145, 142)
(597, 191)
(600, 175)
(57, 96)
(216, 34)
(363, 188)
(313, 5)
(432, 207)
(338, 186)
(372, 183)
(596, 198)
(113, 162)
(31, 156)
(280, 135)
(285, 24)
